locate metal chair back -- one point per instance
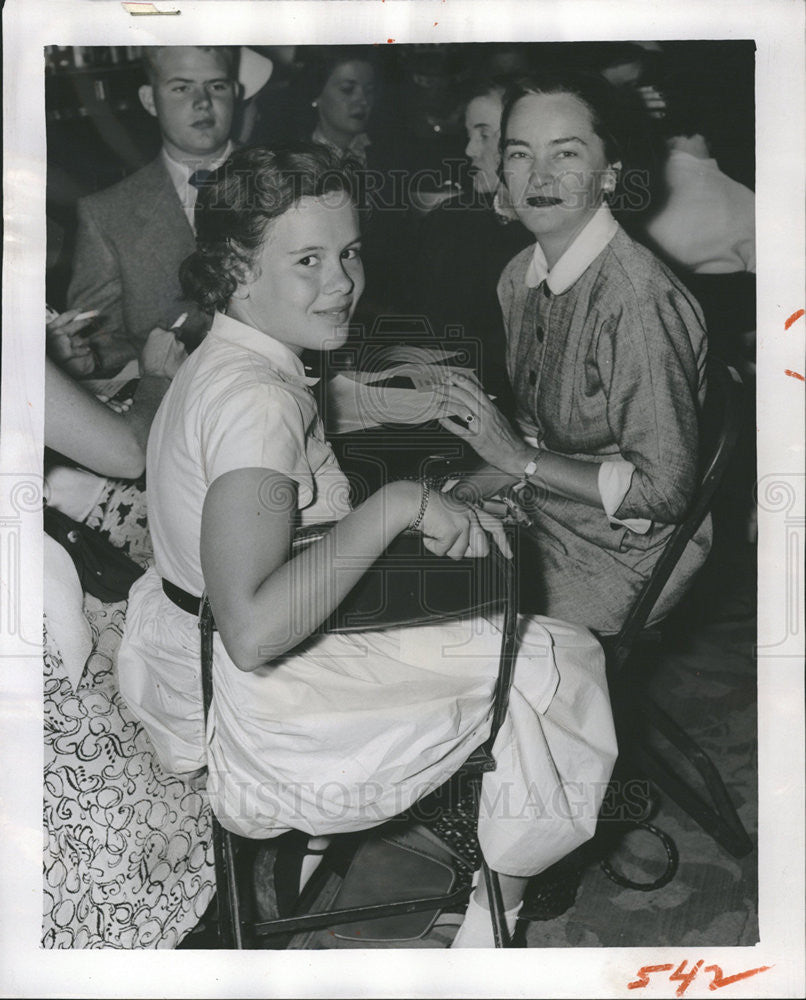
(719, 430)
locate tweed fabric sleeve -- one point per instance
(648, 354)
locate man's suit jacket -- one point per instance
(132, 237)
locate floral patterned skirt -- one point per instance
(127, 848)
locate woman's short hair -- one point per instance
(326, 59)
(487, 86)
(237, 204)
(600, 98)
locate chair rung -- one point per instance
(311, 921)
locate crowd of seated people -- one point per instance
(223, 267)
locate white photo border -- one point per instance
(777, 26)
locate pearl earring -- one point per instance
(314, 104)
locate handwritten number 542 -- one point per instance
(685, 978)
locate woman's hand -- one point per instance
(482, 424)
(455, 529)
(65, 344)
(162, 354)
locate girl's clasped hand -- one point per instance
(459, 530)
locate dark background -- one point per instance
(98, 132)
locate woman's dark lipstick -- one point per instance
(542, 201)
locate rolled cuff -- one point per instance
(614, 482)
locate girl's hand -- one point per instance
(482, 424)
(67, 346)
(454, 529)
(162, 354)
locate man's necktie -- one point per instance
(199, 178)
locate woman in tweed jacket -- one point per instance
(606, 354)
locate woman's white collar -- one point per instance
(577, 258)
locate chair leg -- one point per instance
(230, 931)
(720, 820)
(496, 901)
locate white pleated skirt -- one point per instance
(350, 730)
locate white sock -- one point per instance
(477, 927)
(312, 861)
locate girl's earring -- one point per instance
(314, 104)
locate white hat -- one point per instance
(254, 71)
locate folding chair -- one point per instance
(637, 715)
(401, 576)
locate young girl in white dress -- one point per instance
(329, 733)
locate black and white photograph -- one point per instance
(403, 498)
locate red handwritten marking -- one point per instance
(795, 316)
(389, 41)
(684, 977)
(794, 374)
(720, 980)
(644, 973)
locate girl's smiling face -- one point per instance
(555, 168)
(308, 276)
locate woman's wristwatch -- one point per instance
(519, 504)
(528, 471)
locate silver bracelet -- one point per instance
(426, 488)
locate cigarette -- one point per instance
(179, 322)
(85, 315)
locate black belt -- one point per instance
(181, 598)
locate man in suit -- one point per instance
(133, 236)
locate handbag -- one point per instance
(408, 585)
(104, 570)
(403, 866)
